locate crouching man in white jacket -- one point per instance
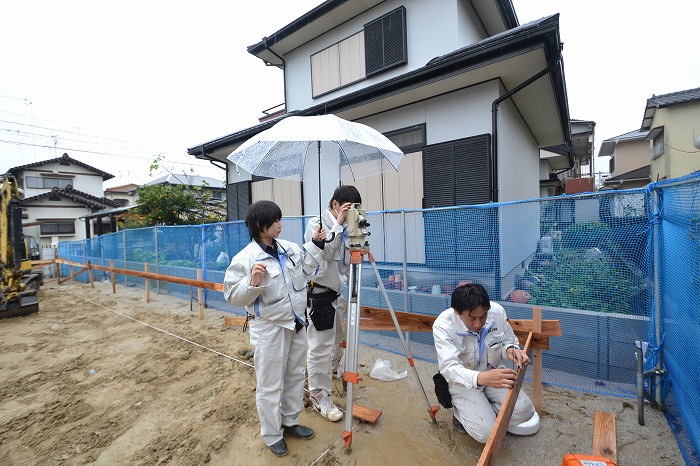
(473, 340)
(269, 278)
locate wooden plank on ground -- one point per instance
(493, 444)
(366, 414)
(605, 435)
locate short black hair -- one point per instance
(470, 296)
(345, 193)
(261, 215)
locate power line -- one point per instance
(70, 149)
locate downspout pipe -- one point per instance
(493, 182)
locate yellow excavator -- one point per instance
(18, 284)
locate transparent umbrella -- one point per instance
(286, 150)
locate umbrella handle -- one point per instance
(331, 238)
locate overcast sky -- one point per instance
(116, 83)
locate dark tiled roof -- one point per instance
(660, 101)
(74, 195)
(667, 100)
(64, 159)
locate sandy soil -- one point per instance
(104, 379)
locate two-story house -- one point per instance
(465, 91)
(673, 123)
(58, 194)
(124, 194)
(629, 160)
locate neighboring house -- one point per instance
(468, 94)
(124, 195)
(564, 167)
(58, 193)
(673, 122)
(197, 184)
(629, 160)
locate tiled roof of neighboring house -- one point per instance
(638, 174)
(74, 195)
(607, 148)
(125, 188)
(188, 180)
(63, 160)
(667, 100)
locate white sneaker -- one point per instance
(326, 407)
(339, 372)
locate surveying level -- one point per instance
(359, 248)
(357, 222)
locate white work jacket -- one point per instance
(281, 295)
(462, 354)
(333, 270)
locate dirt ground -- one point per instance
(103, 379)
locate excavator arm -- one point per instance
(18, 284)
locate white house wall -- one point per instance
(84, 179)
(63, 210)
(430, 33)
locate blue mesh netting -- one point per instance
(614, 267)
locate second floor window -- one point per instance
(44, 182)
(380, 46)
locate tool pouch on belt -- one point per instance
(322, 311)
(442, 391)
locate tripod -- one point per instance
(359, 248)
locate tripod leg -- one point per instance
(353, 331)
(432, 410)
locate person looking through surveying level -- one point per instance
(326, 334)
(269, 278)
(472, 339)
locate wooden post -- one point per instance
(92, 281)
(111, 274)
(199, 296)
(537, 362)
(58, 270)
(148, 283)
(70, 269)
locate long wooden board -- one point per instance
(493, 444)
(150, 276)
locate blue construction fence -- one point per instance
(614, 267)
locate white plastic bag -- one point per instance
(382, 371)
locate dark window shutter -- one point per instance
(438, 176)
(393, 27)
(237, 200)
(472, 171)
(374, 47)
(385, 42)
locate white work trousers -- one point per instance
(325, 350)
(279, 373)
(477, 408)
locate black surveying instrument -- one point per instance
(359, 248)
